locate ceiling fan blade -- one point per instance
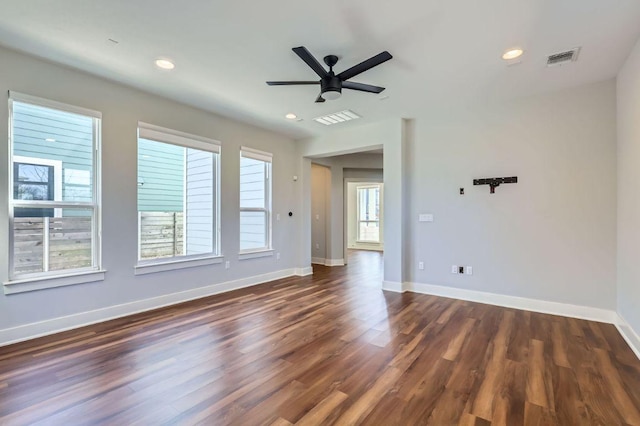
(308, 58)
(290, 83)
(365, 65)
(320, 98)
(361, 87)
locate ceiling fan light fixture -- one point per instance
(331, 94)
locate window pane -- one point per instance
(33, 173)
(52, 239)
(252, 183)
(70, 242)
(253, 233)
(176, 190)
(369, 231)
(369, 203)
(28, 239)
(54, 148)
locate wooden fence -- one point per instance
(161, 234)
(68, 240)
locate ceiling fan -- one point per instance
(331, 85)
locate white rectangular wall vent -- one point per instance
(337, 117)
(563, 57)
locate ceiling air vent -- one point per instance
(563, 57)
(337, 117)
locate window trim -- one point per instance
(186, 140)
(267, 158)
(57, 278)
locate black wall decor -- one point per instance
(495, 182)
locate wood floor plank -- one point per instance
(320, 412)
(331, 348)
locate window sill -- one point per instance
(170, 265)
(41, 283)
(255, 254)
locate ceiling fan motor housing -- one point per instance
(331, 87)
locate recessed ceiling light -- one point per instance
(512, 54)
(165, 64)
(50, 140)
(291, 116)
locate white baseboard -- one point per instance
(303, 272)
(628, 334)
(373, 247)
(393, 286)
(535, 305)
(327, 262)
(38, 329)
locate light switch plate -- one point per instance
(425, 217)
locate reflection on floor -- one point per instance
(325, 349)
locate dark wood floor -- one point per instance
(327, 349)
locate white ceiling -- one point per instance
(446, 52)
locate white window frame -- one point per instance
(186, 140)
(19, 283)
(358, 220)
(267, 157)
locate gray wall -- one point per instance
(552, 235)
(122, 107)
(629, 191)
(320, 212)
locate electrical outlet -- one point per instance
(468, 270)
(277, 256)
(278, 216)
(454, 269)
(421, 265)
(227, 265)
(317, 246)
(461, 269)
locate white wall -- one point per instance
(629, 192)
(122, 107)
(552, 235)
